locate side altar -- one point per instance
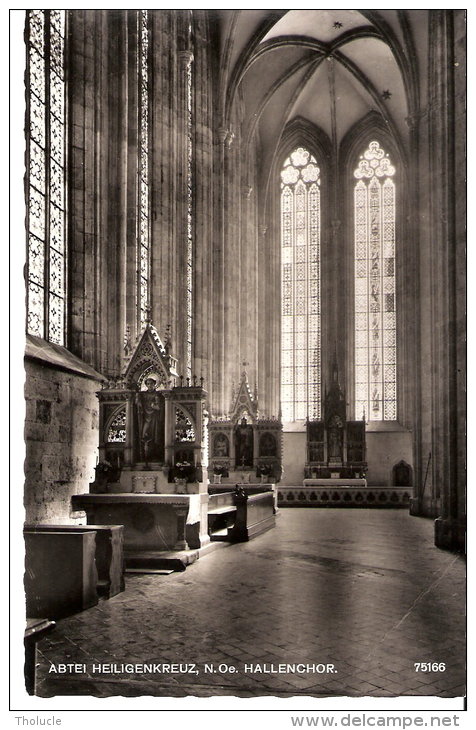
(336, 452)
(245, 447)
(151, 476)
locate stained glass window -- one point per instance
(375, 317)
(300, 287)
(144, 197)
(188, 354)
(46, 175)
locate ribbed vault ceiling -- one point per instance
(329, 67)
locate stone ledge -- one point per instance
(131, 498)
(58, 357)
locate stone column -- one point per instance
(185, 221)
(203, 203)
(247, 287)
(255, 446)
(447, 134)
(334, 293)
(118, 101)
(263, 315)
(250, 268)
(169, 416)
(232, 261)
(218, 404)
(130, 431)
(437, 133)
(232, 449)
(163, 163)
(131, 192)
(94, 206)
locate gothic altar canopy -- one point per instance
(151, 420)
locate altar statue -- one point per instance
(244, 444)
(150, 412)
(220, 445)
(335, 443)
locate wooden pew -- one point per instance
(254, 515)
(221, 513)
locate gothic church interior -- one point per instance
(276, 199)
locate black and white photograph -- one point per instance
(238, 263)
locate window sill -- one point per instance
(58, 357)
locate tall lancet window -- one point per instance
(300, 287)
(46, 176)
(143, 248)
(189, 246)
(375, 317)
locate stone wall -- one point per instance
(61, 437)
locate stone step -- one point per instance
(154, 561)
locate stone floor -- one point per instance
(364, 590)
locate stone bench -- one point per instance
(60, 573)
(109, 553)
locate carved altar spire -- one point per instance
(233, 396)
(244, 400)
(127, 341)
(150, 353)
(168, 339)
(334, 399)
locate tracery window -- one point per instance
(300, 287)
(116, 433)
(184, 430)
(46, 287)
(144, 196)
(375, 315)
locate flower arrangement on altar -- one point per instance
(182, 464)
(184, 471)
